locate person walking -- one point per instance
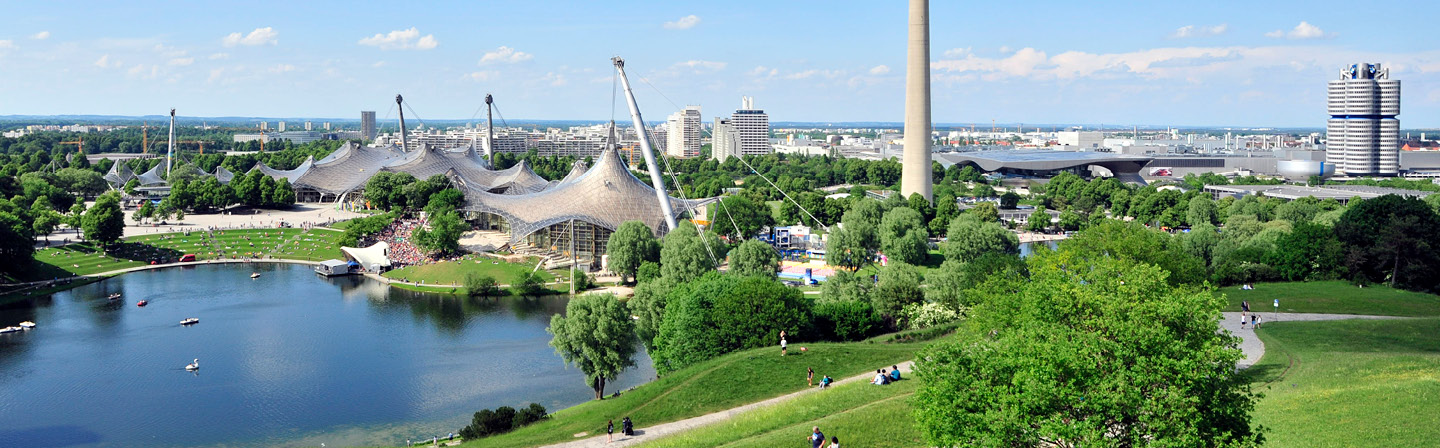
(782, 342)
(610, 431)
(809, 376)
(1245, 306)
(817, 438)
(834, 442)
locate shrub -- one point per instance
(530, 284)
(846, 320)
(527, 415)
(648, 271)
(481, 285)
(919, 316)
(502, 419)
(718, 314)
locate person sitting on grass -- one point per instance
(895, 373)
(879, 378)
(825, 381)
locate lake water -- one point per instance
(288, 359)
(1028, 248)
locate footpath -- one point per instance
(1250, 343)
(649, 433)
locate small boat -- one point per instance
(115, 296)
(190, 321)
(254, 275)
(28, 325)
(142, 302)
(193, 365)
(10, 330)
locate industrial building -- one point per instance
(1048, 163)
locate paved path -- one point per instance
(1251, 345)
(649, 433)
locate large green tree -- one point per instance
(1135, 242)
(969, 237)
(738, 217)
(16, 235)
(1308, 252)
(1090, 351)
(630, 246)
(442, 234)
(685, 255)
(648, 306)
(754, 257)
(596, 335)
(904, 236)
(718, 314)
(104, 222)
(1392, 239)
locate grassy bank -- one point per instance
(859, 414)
(1354, 383)
(1337, 297)
(722, 383)
(454, 272)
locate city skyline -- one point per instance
(1265, 65)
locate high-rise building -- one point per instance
(1363, 135)
(754, 127)
(309, 126)
(264, 126)
(367, 124)
(683, 133)
(725, 140)
(327, 126)
(282, 126)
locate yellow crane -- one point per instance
(80, 143)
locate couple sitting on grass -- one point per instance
(883, 377)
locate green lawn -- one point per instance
(84, 258)
(1354, 383)
(722, 383)
(860, 414)
(933, 259)
(1333, 297)
(453, 273)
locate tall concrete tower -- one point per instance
(915, 174)
(1363, 134)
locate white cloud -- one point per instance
(683, 23)
(879, 70)
(8, 45)
(402, 40)
(1152, 63)
(505, 55)
(481, 76)
(40, 35)
(282, 68)
(378, 64)
(807, 74)
(218, 56)
(260, 36)
(144, 71)
(958, 52)
(554, 79)
(1199, 31)
(104, 62)
(761, 70)
(699, 66)
(1302, 31)
(181, 61)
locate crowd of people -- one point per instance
(402, 251)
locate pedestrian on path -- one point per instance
(817, 438)
(782, 342)
(809, 376)
(610, 431)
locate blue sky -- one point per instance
(1120, 63)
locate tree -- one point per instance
(529, 284)
(283, 195)
(754, 257)
(104, 222)
(1308, 252)
(1088, 352)
(718, 314)
(949, 284)
(648, 306)
(846, 320)
(16, 235)
(1135, 242)
(631, 245)
(596, 335)
(1039, 220)
(443, 234)
(44, 218)
(480, 285)
(1391, 239)
(748, 216)
(846, 286)
(77, 213)
(1202, 211)
(80, 181)
(1071, 221)
(899, 286)
(969, 237)
(146, 209)
(985, 212)
(903, 236)
(685, 255)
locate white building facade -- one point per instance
(682, 133)
(754, 127)
(1363, 135)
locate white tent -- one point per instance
(375, 258)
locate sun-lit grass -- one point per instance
(454, 272)
(722, 383)
(859, 414)
(1351, 383)
(1333, 297)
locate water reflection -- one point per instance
(288, 358)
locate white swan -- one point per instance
(193, 366)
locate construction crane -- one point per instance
(80, 143)
(199, 142)
(145, 138)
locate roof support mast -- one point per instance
(401, 108)
(489, 130)
(655, 179)
(170, 153)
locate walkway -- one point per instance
(649, 433)
(1251, 345)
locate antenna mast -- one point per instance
(170, 153)
(655, 179)
(490, 130)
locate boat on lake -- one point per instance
(28, 325)
(254, 275)
(142, 302)
(115, 296)
(190, 321)
(11, 329)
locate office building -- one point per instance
(1363, 135)
(264, 126)
(309, 126)
(683, 133)
(367, 124)
(754, 127)
(327, 126)
(725, 140)
(282, 126)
